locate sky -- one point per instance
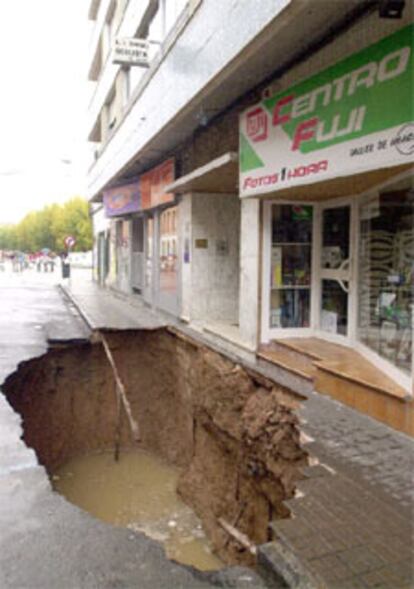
(43, 104)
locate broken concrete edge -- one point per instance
(16, 458)
(193, 337)
(14, 367)
(257, 373)
(277, 563)
(256, 366)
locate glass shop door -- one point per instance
(335, 270)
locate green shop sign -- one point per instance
(355, 116)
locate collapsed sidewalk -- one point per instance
(352, 523)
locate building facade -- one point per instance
(256, 176)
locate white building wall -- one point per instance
(99, 221)
(213, 293)
(98, 28)
(127, 28)
(212, 44)
(184, 249)
(249, 296)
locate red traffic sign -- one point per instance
(70, 241)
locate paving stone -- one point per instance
(360, 559)
(386, 577)
(330, 568)
(352, 583)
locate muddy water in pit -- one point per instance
(137, 492)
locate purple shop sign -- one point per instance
(122, 200)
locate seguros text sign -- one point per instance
(131, 51)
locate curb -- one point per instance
(277, 563)
(69, 296)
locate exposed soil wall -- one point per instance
(235, 438)
(67, 402)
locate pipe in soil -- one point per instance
(233, 436)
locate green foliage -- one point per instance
(49, 227)
(8, 237)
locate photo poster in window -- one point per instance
(276, 264)
(385, 304)
(276, 317)
(329, 321)
(301, 213)
(331, 256)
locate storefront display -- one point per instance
(291, 266)
(324, 155)
(386, 283)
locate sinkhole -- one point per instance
(218, 451)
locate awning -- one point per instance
(337, 187)
(218, 176)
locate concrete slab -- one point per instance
(105, 309)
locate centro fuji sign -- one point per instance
(353, 117)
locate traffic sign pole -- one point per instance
(69, 242)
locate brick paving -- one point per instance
(366, 450)
(352, 522)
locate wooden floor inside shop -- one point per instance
(344, 374)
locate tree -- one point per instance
(48, 228)
(73, 219)
(8, 237)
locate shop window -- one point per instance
(291, 255)
(149, 251)
(168, 253)
(386, 276)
